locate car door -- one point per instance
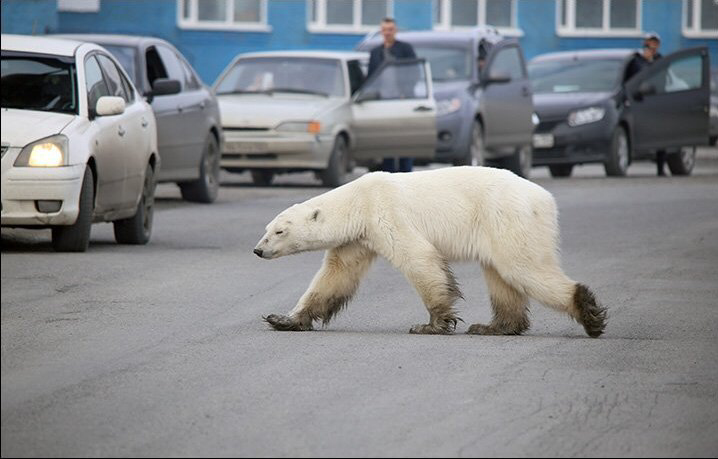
(394, 112)
(669, 101)
(505, 102)
(132, 129)
(108, 146)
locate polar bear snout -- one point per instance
(259, 252)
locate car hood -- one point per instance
(555, 105)
(21, 127)
(267, 111)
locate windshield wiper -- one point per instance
(299, 91)
(244, 91)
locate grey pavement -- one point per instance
(161, 351)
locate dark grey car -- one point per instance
(484, 116)
(588, 113)
(189, 130)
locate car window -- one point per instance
(399, 80)
(33, 82)
(172, 65)
(190, 80)
(94, 82)
(575, 75)
(155, 67)
(114, 80)
(508, 61)
(356, 75)
(447, 63)
(681, 75)
(127, 56)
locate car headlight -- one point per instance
(585, 116)
(446, 106)
(312, 127)
(535, 119)
(48, 152)
(714, 111)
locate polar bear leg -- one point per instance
(510, 307)
(431, 275)
(331, 289)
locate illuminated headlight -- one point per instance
(535, 119)
(714, 111)
(446, 106)
(47, 152)
(585, 116)
(312, 127)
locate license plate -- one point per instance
(245, 147)
(543, 140)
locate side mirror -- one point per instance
(165, 87)
(110, 105)
(367, 95)
(497, 76)
(644, 89)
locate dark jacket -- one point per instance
(637, 64)
(400, 50)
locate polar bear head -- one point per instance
(300, 228)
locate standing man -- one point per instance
(649, 54)
(391, 49)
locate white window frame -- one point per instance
(570, 29)
(696, 31)
(445, 24)
(193, 23)
(78, 6)
(321, 26)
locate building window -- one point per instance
(599, 17)
(78, 6)
(347, 16)
(452, 14)
(700, 18)
(223, 14)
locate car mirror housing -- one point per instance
(165, 87)
(110, 105)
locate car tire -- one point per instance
(76, 237)
(206, 188)
(620, 154)
(137, 229)
(561, 170)
(262, 177)
(682, 163)
(475, 150)
(519, 163)
(335, 173)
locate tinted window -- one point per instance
(127, 57)
(508, 61)
(172, 64)
(114, 80)
(356, 75)
(33, 83)
(681, 75)
(570, 75)
(155, 67)
(399, 81)
(95, 83)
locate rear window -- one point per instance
(38, 82)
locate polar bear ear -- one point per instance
(314, 215)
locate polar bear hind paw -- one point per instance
(286, 323)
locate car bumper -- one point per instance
(590, 143)
(272, 150)
(26, 190)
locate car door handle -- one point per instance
(145, 123)
(121, 131)
(423, 108)
(201, 105)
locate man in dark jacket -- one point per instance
(391, 49)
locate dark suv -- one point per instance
(483, 96)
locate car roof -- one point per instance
(312, 54)
(439, 36)
(42, 45)
(586, 54)
(111, 39)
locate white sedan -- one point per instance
(79, 144)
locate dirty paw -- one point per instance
(286, 323)
(428, 329)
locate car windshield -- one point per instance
(571, 75)
(284, 74)
(447, 63)
(127, 57)
(33, 82)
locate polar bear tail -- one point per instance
(592, 315)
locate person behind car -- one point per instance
(392, 49)
(645, 58)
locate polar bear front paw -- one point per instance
(428, 329)
(286, 323)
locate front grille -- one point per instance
(548, 125)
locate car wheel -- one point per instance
(335, 173)
(561, 170)
(620, 154)
(206, 188)
(475, 151)
(262, 177)
(76, 237)
(138, 229)
(519, 163)
(682, 163)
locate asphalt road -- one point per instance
(161, 351)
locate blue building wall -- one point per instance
(209, 51)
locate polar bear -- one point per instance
(422, 221)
